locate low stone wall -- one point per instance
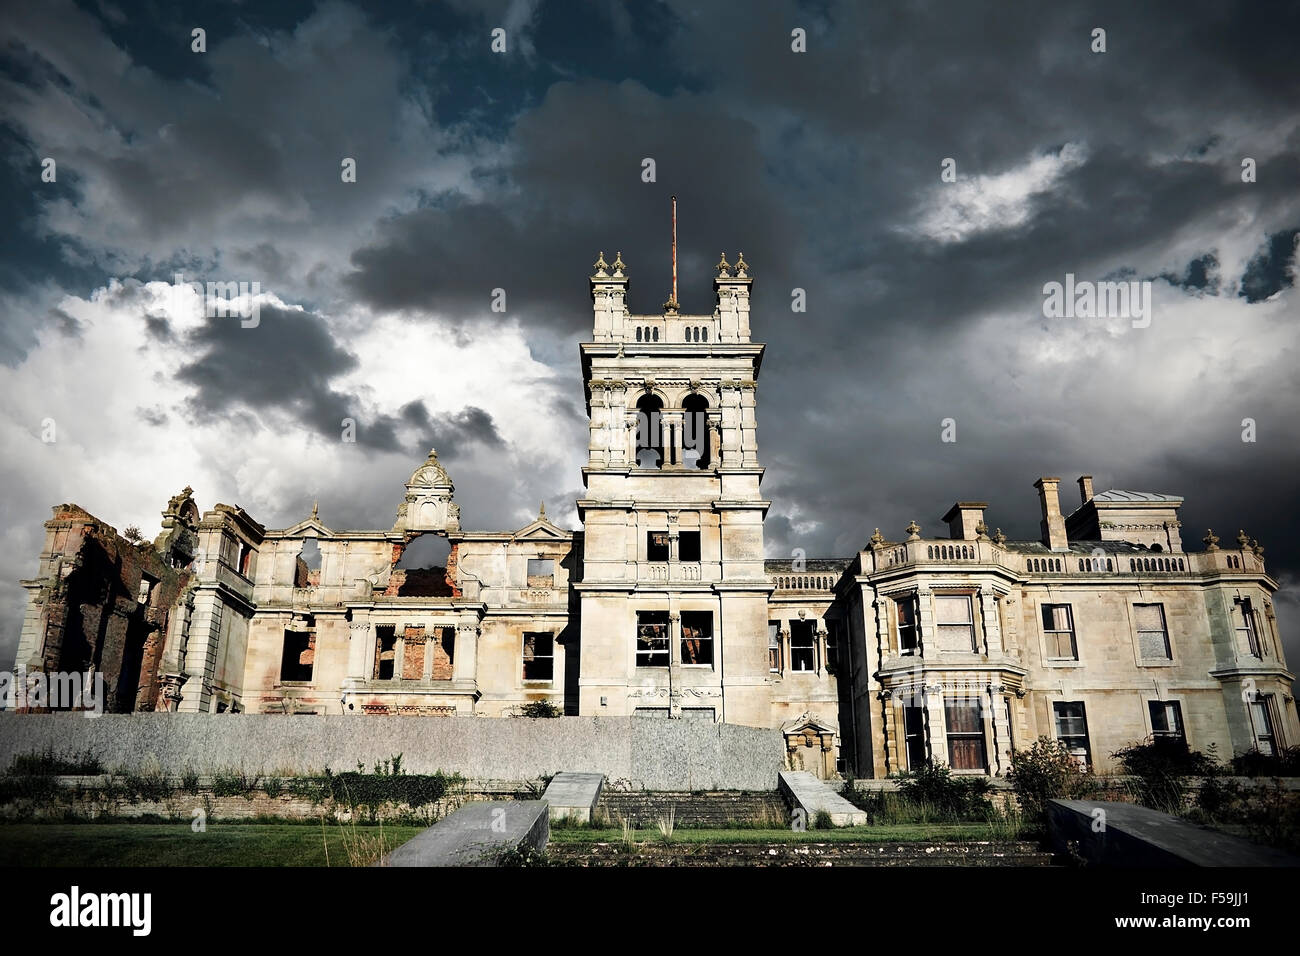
(639, 752)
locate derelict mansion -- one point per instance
(956, 648)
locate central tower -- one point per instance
(672, 591)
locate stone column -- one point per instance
(671, 424)
(889, 731)
(936, 723)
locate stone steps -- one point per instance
(653, 853)
(715, 809)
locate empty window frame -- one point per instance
(833, 634)
(1153, 637)
(1166, 720)
(651, 638)
(1261, 719)
(1058, 630)
(688, 546)
(964, 717)
(953, 622)
(1247, 632)
(444, 653)
(541, 572)
(914, 734)
(697, 637)
(385, 651)
(539, 656)
(298, 657)
(774, 647)
(909, 630)
(1072, 729)
(803, 646)
(656, 546)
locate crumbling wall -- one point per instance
(105, 603)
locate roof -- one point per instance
(1117, 494)
(1078, 547)
(809, 564)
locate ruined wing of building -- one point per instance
(956, 649)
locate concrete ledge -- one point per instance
(1126, 834)
(573, 795)
(478, 834)
(806, 792)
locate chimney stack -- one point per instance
(1053, 524)
(964, 519)
(1085, 489)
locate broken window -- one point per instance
(908, 629)
(832, 644)
(1166, 719)
(1153, 638)
(444, 652)
(298, 657)
(964, 716)
(803, 648)
(774, 647)
(914, 735)
(1058, 628)
(385, 651)
(413, 641)
(1261, 719)
(146, 589)
(539, 656)
(1247, 635)
(307, 567)
(245, 557)
(541, 572)
(697, 637)
(656, 546)
(1072, 729)
(688, 546)
(651, 638)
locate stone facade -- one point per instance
(955, 649)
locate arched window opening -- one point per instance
(696, 452)
(649, 432)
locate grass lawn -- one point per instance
(884, 833)
(175, 844)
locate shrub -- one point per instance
(1253, 763)
(1045, 771)
(540, 708)
(51, 763)
(1160, 769)
(934, 785)
(822, 821)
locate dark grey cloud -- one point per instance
(1272, 269)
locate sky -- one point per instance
(920, 171)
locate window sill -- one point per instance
(1155, 663)
(1062, 662)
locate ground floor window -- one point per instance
(385, 651)
(298, 656)
(1166, 720)
(539, 656)
(697, 637)
(651, 638)
(914, 735)
(1261, 718)
(1072, 729)
(965, 719)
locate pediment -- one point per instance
(312, 524)
(542, 530)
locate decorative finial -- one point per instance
(1242, 540)
(877, 540)
(1257, 548)
(724, 267)
(913, 531)
(742, 267)
(601, 266)
(671, 307)
(619, 268)
(981, 529)
(315, 509)
(999, 538)
(541, 512)
(1211, 540)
